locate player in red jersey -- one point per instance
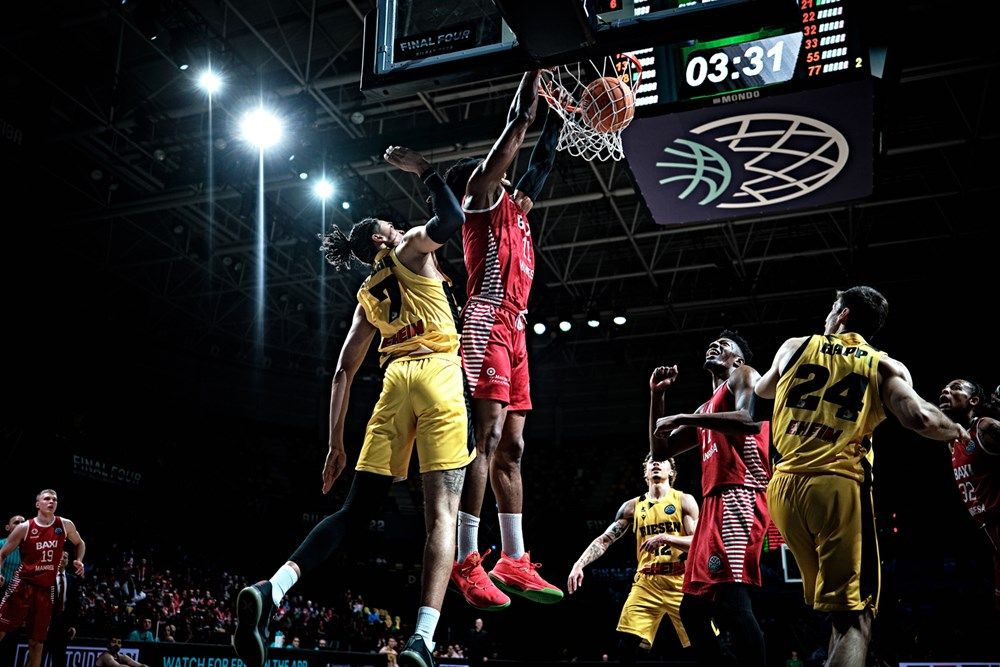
(500, 262)
(976, 464)
(29, 598)
(724, 559)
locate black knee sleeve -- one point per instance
(736, 613)
(363, 503)
(628, 648)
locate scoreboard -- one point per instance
(823, 45)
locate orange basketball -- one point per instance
(607, 104)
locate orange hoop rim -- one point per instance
(552, 97)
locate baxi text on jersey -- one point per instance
(46, 544)
(963, 471)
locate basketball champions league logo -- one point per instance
(783, 156)
(755, 157)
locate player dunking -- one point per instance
(663, 519)
(30, 596)
(724, 559)
(500, 261)
(976, 464)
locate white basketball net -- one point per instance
(563, 88)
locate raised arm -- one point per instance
(620, 526)
(738, 421)
(73, 535)
(683, 542)
(351, 355)
(672, 441)
(485, 179)
(448, 216)
(543, 156)
(896, 388)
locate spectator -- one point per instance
(389, 651)
(794, 661)
(143, 635)
(478, 643)
(13, 560)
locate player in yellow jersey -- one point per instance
(407, 301)
(663, 519)
(824, 396)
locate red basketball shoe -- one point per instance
(519, 577)
(469, 578)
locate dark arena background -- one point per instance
(170, 335)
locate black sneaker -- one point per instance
(415, 653)
(254, 608)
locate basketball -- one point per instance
(607, 104)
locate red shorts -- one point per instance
(495, 354)
(27, 605)
(727, 542)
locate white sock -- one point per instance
(511, 536)
(468, 535)
(282, 580)
(427, 620)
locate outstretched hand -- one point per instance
(406, 159)
(662, 378)
(78, 567)
(336, 459)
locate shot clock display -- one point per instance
(738, 64)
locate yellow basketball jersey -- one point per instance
(655, 517)
(414, 314)
(826, 406)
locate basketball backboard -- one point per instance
(414, 45)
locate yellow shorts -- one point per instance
(829, 525)
(422, 399)
(652, 596)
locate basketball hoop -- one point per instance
(596, 101)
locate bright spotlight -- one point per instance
(565, 325)
(345, 205)
(593, 324)
(261, 128)
(619, 320)
(303, 175)
(184, 67)
(209, 81)
(323, 189)
(539, 328)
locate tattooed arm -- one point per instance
(622, 522)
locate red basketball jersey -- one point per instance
(977, 474)
(41, 551)
(499, 257)
(731, 459)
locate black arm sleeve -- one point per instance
(543, 155)
(761, 409)
(448, 212)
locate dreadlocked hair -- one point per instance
(338, 248)
(458, 174)
(741, 342)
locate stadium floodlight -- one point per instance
(210, 82)
(323, 189)
(261, 128)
